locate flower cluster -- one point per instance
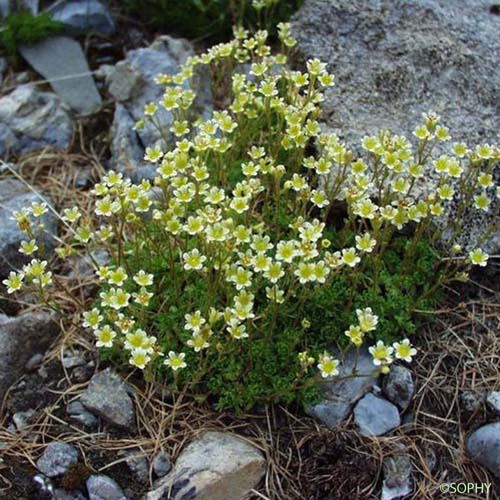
(242, 204)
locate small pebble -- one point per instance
(162, 464)
(57, 458)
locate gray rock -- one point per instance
(162, 464)
(21, 419)
(72, 360)
(60, 494)
(397, 477)
(3, 67)
(216, 466)
(340, 395)
(493, 400)
(34, 362)
(32, 5)
(107, 397)
(399, 387)
(375, 416)
(32, 120)
(20, 338)
(57, 458)
(22, 77)
(101, 487)
(5, 8)
(84, 16)
(82, 268)
(9, 6)
(78, 413)
(14, 196)
(82, 373)
(44, 485)
(471, 401)
(395, 60)
(138, 465)
(62, 62)
(442, 62)
(125, 82)
(132, 85)
(483, 445)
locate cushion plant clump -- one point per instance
(265, 247)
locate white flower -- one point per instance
(175, 361)
(404, 350)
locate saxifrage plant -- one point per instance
(266, 247)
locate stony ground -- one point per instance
(72, 427)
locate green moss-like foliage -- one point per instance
(24, 29)
(251, 371)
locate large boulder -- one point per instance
(216, 466)
(394, 60)
(132, 85)
(32, 120)
(21, 338)
(14, 195)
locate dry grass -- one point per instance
(306, 461)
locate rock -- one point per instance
(85, 16)
(493, 400)
(101, 487)
(125, 82)
(397, 477)
(375, 416)
(471, 401)
(57, 458)
(60, 494)
(32, 5)
(83, 267)
(3, 67)
(22, 77)
(73, 360)
(20, 338)
(138, 465)
(32, 120)
(78, 413)
(340, 395)
(4, 8)
(44, 486)
(21, 419)
(82, 373)
(126, 147)
(390, 69)
(132, 84)
(483, 445)
(9, 6)
(216, 466)
(162, 464)
(14, 196)
(441, 63)
(399, 387)
(62, 62)
(34, 362)
(107, 397)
